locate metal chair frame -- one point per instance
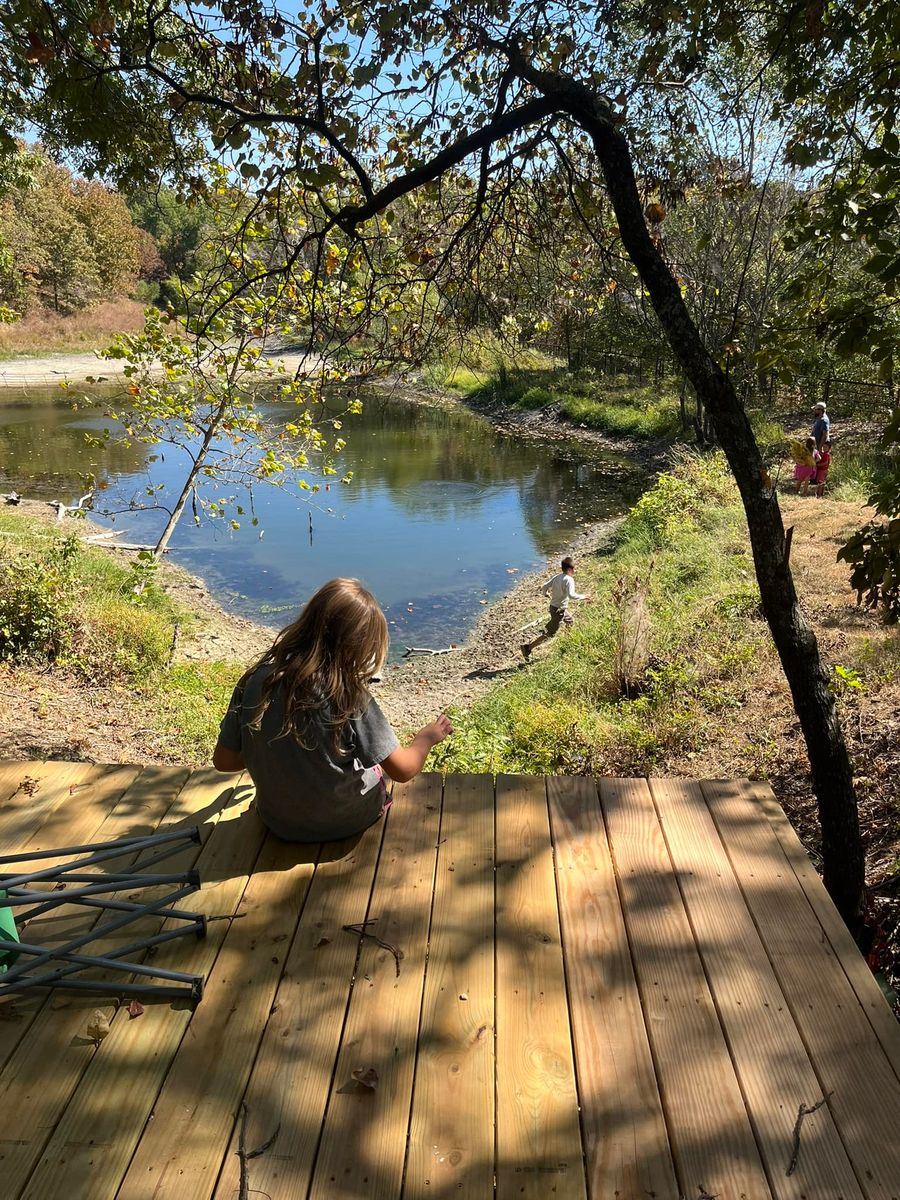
(33, 893)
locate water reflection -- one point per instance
(442, 514)
(42, 447)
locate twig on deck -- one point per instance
(245, 1155)
(803, 1111)
(360, 928)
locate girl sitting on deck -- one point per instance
(302, 722)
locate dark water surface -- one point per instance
(443, 512)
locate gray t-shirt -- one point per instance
(309, 794)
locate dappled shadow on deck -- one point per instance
(574, 992)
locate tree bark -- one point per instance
(842, 851)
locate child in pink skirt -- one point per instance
(805, 472)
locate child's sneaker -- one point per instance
(526, 651)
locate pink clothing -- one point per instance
(801, 472)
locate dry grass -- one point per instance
(47, 332)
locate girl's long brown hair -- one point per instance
(325, 658)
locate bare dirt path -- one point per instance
(52, 369)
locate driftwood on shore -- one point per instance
(82, 506)
(97, 537)
(408, 651)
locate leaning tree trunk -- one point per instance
(842, 852)
(832, 774)
(190, 482)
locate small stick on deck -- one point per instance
(245, 1155)
(803, 1111)
(360, 928)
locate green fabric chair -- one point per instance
(9, 932)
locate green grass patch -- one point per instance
(684, 540)
(857, 468)
(462, 380)
(186, 703)
(613, 404)
(72, 608)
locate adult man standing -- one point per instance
(821, 429)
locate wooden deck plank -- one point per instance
(625, 1139)
(770, 1058)
(363, 1145)
(712, 1141)
(539, 1149)
(181, 1150)
(12, 772)
(704, 947)
(150, 794)
(291, 1078)
(43, 788)
(451, 1142)
(882, 1020)
(851, 1065)
(75, 821)
(45, 1072)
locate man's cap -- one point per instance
(819, 405)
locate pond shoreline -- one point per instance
(415, 689)
(546, 425)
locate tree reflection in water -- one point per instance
(442, 514)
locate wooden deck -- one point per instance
(612, 990)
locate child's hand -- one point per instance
(438, 729)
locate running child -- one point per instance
(560, 589)
(302, 722)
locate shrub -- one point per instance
(65, 603)
(37, 596)
(535, 397)
(682, 499)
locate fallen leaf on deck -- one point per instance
(323, 941)
(463, 995)
(97, 1027)
(135, 1008)
(367, 1076)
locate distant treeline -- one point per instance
(67, 243)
